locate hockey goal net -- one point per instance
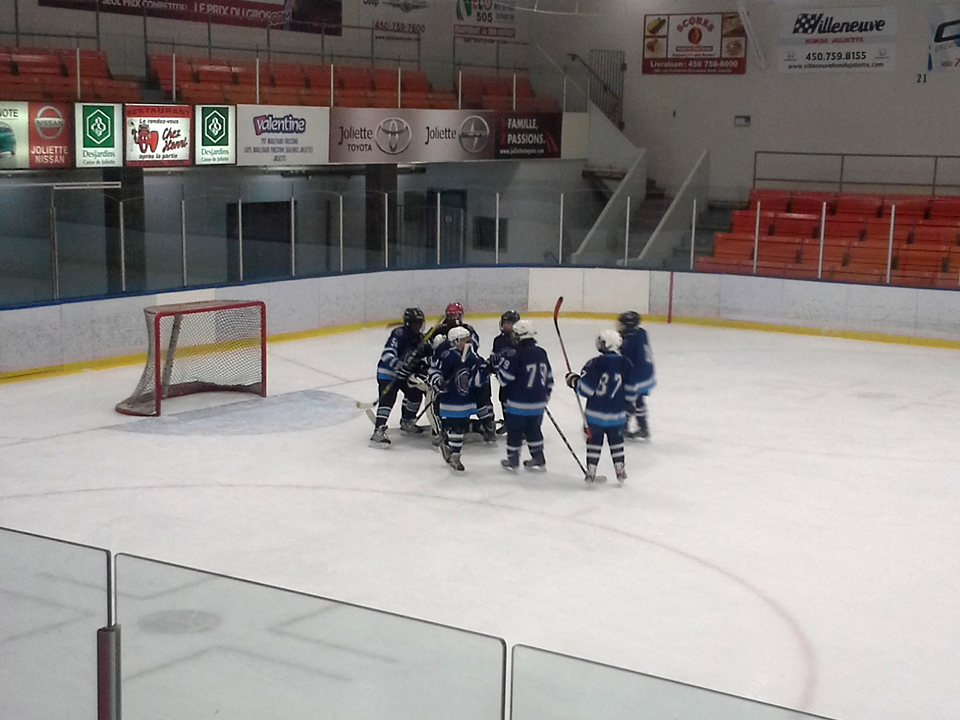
(201, 347)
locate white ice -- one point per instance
(790, 534)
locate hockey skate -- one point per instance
(489, 431)
(621, 472)
(591, 478)
(644, 428)
(501, 427)
(536, 464)
(410, 426)
(379, 438)
(632, 431)
(454, 462)
(509, 466)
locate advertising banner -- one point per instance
(399, 19)
(528, 135)
(215, 135)
(837, 39)
(386, 135)
(694, 44)
(158, 135)
(485, 19)
(944, 38)
(36, 135)
(301, 15)
(99, 141)
(282, 135)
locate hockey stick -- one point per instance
(556, 324)
(598, 478)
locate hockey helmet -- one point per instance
(629, 321)
(609, 341)
(437, 340)
(413, 318)
(458, 333)
(510, 316)
(524, 330)
(454, 312)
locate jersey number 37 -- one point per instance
(604, 384)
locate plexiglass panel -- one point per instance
(26, 248)
(201, 645)
(548, 686)
(53, 599)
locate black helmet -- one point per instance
(510, 316)
(413, 317)
(629, 321)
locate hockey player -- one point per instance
(603, 383)
(526, 381)
(483, 396)
(501, 343)
(455, 375)
(636, 348)
(399, 359)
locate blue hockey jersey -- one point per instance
(636, 348)
(526, 377)
(604, 382)
(455, 380)
(401, 345)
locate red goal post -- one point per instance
(209, 346)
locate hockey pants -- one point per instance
(388, 397)
(614, 437)
(520, 428)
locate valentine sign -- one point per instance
(158, 135)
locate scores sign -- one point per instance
(696, 44)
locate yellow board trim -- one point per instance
(140, 358)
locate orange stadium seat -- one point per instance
(770, 200)
(284, 75)
(907, 206)
(812, 203)
(866, 205)
(804, 225)
(945, 207)
(415, 81)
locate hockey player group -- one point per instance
(441, 370)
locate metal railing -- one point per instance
(856, 172)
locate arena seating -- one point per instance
(856, 238)
(39, 74)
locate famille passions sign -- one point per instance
(36, 135)
(695, 44)
(529, 136)
(278, 135)
(158, 135)
(838, 39)
(386, 135)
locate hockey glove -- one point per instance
(572, 379)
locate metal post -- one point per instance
(258, 77)
(331, 82)
(79, 96)
(496, 233)
(55, 249)
(514, 91)
(209, 38)
(460, 89)
(564, 105)
(843, 159)
(399, 85)
(893, 220)
(373, 48)
(174, 73)
(626, 235)
(293, 235)
(560, 247)
(756, 239)
(936, 164)
(386, 231)
(341, 233)
(693, 235)
(108, 673)
(240, 231)
(438, 228)
(183, 238)
(16, 21)
(123, 252)
(823, 232)
(97, 22)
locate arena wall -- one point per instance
(69, 337)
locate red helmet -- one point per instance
(455, 312)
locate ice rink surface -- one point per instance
(790, 534)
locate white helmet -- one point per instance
(609, 341)
(457, 333)
(524, 329)
(437, 340)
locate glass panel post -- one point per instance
(183, 237)
(626, 235)
(386, 231)
(54, 247)
(893, 220)
(823, 230)
(240, 231)
(123, 252)
(756, 239)
(293, 234)
(496, 232)
(693, 234)
(560, 245)
(341, 232)
(438, 228)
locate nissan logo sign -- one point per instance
(49, 122)
(474, 134)
(393, 135)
